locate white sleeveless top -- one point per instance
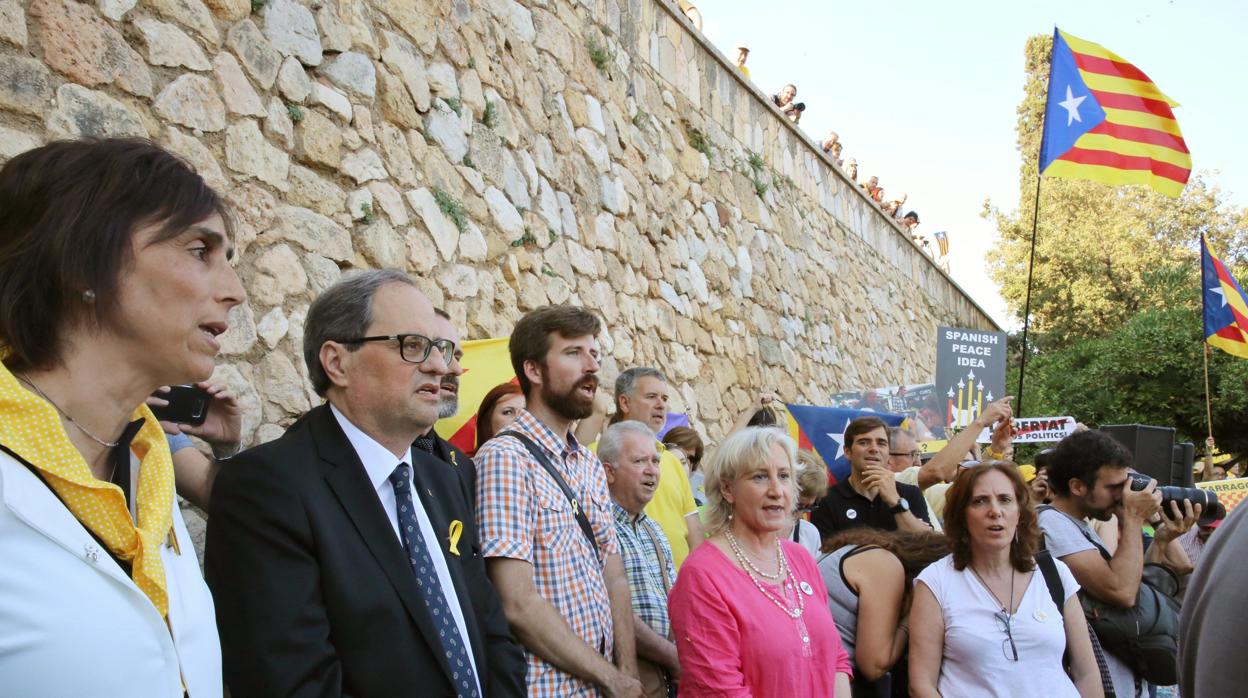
(975, 661)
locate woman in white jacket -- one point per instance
(115, 277)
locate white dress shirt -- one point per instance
(379, 464)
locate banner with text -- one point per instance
(1036, 430)
(1230, 492)
(970, 372)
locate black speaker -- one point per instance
(1181, 466)
(1152, 448)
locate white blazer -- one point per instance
(72, 623)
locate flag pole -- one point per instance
(1208, 397)
(1031, 265)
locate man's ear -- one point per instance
(1077, 487)
(610, 473)
(533, 371)
(621, 404)
(335, 360)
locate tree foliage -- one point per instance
(1096, 245)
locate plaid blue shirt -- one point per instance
(644, 548)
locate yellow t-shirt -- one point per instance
(672, 502)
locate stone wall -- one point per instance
(509, 155)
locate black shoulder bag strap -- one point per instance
(1053, 580)
(541, 458)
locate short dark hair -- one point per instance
(530, 339)
(343, 311)
(958, 499)
(1081, 455)
(862, 425)
(912, 214)
(68, 214)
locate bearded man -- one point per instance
(546, 520)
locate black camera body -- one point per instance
(1211, 511)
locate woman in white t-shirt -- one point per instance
(984, 622)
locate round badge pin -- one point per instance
(805, 587)
(851, 514)
(1040, 615)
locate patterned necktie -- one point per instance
(430, 588)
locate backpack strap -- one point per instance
(577, 511)
(1053, 580)
(1100, 548)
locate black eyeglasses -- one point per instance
(1003, 620)
(414, 348)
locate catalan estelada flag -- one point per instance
(1106, 121)
(822, 430)
(486, 362)
(942, 241)
(1226, 306)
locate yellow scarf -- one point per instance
(31, 428)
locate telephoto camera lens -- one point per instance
(1211, 508)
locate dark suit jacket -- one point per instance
(314, 593)
(461, 462)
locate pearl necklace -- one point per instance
(784, 571)
(747, 563)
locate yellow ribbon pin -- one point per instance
(457, 530)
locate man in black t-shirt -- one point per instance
(871, 496)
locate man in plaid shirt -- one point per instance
(629, 452)
(565, 595)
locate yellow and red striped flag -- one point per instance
(1106, 121)
(486, 362)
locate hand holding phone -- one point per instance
(181, 404)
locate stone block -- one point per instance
(197, 154)
(169, 46)
(247, 152)
(192, 100)
(237, 92)
(318, 140)
(189, 13)
(257, 55)
(293, 81)
(313, 232)
(79, 43)
(25, 85)
(354, 73)
(83, 113)
(291, 29)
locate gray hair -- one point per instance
(743, 450)
(343, 311)
(612, 440)
(627, 380)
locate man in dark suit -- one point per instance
(448, 406)
(343, 561)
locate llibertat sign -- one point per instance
(1036, 430)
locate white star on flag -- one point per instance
(839, 439)
(1221, 294)
(1071, 105)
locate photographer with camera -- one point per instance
(1090, 478)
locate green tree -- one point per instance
(1096, 245)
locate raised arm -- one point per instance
(944, 465)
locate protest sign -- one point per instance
(1036, 430)
(970, 372)
(1230, 492)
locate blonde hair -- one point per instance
(743, 450)
(812, 475)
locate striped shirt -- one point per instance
(522, 514)
(643, 548)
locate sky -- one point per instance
(924, 94)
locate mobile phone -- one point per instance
(188, 404)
